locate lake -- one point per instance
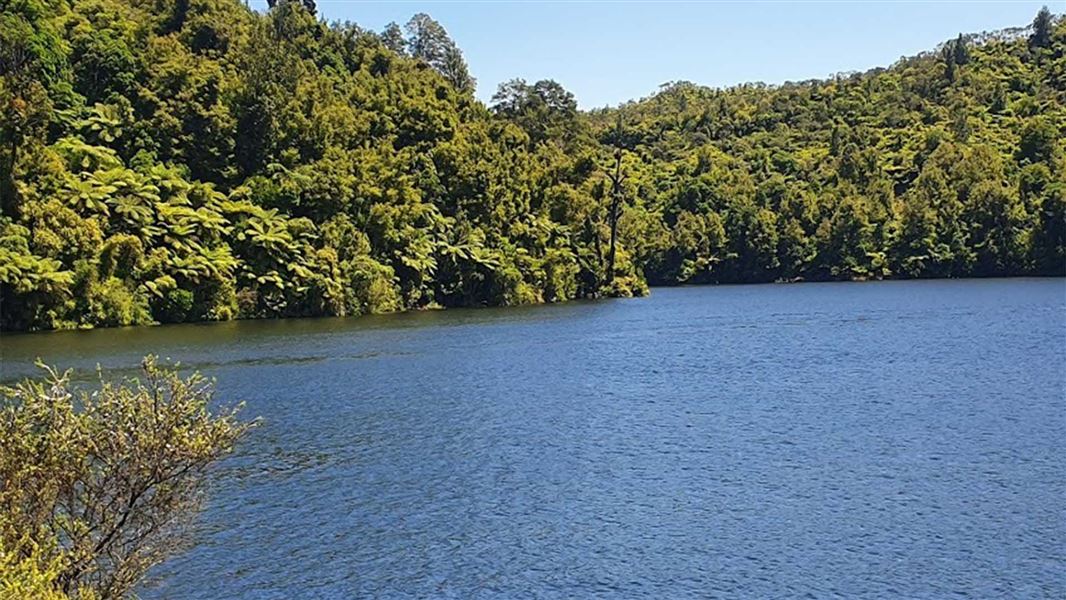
(858, 440)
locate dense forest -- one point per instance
(183, 160)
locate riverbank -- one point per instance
(648, 290)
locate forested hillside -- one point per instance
(948, 164)
(180, 160)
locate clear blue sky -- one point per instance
(610, 52)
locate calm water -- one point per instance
(853, 440)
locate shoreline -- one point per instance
(439, 308)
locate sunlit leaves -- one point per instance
(98, 484)
(23, 271)
(174, 161)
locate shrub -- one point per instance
(26, 575)
(372, 287)
(112, 303)
(176, 306)
(96, 486)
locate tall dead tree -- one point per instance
(617, 179)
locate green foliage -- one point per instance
(857, 177)
(1042, 26)
(97, 486)
(26, 574)
(169, 160)
(429, 42)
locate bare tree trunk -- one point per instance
(7, 185)
(614, 236)
(593, 231)
(616, 200)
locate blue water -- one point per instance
(898, 439)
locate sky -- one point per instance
(609, 52)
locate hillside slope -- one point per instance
(948, 164)
(181, 160)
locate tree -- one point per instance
(960, 51)
(392, 37)
(546, 110)
(31, 55)
(1038, 140)
(307, 4)
(950, 66)
(454, 69)
(429, 42)
(102, 482)
(617, 179)
(960, 123)
(1049, 234)
(427, 39)
(1041, 36)
(999, 99)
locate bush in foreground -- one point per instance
(96, 487)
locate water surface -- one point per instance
(852, 440)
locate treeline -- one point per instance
(949, 164)
(179, 160)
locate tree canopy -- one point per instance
(180, 160)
